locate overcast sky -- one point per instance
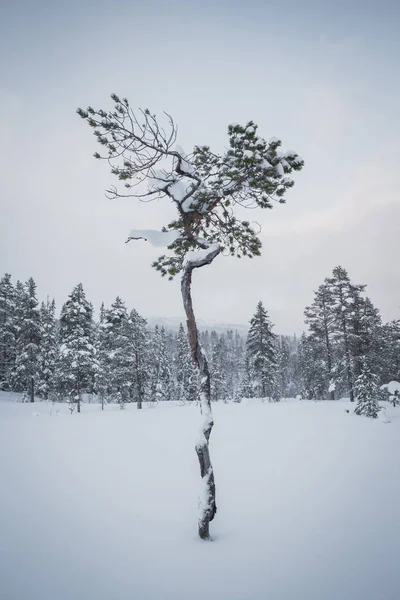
(322, 76)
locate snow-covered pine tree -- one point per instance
(344, 296)
(28, 340)
(7, 331)
(140, 352)
(261, 352)
(47, 360)
(320, 318)
(77, 363)
(367, 392)
(206, 189)
(185, 372)
(366, 324)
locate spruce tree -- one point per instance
(367, 393)
(7, 331)
(261, 352)
(47, 360)
(119, 353)
(77, 363)
(140, 354)
(28, 340)
(102, 375)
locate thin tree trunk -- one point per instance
(207, 504)
(139, 387)
(32, 386)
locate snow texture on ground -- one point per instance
(103, 505)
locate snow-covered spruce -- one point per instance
(261, 354)
(367, 393)
(48, 350)
(77, 363)
(8, 333)
(28, 339)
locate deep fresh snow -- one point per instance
(103, 505)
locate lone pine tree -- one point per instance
(205, 189)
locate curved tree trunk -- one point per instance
(207, 503)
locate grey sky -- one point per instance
(323, 77)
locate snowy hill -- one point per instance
(104, 504)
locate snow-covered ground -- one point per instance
(103, 505)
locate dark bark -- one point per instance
(139, 386)
(32, 390)
(349, 372)
(208, 507)
(328, 347)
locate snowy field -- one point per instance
(103, 505)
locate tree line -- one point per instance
(120, 359)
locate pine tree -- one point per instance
(320, 319)
(345, 298)
(28, 340)
(47, 359)
(367, 392)
(77, 363)
(261, 352)
(365, 333)
(7, 331)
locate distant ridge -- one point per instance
(173, 324)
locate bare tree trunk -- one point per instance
(207, 503)
(32, 390)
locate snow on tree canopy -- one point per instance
(204, 186)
